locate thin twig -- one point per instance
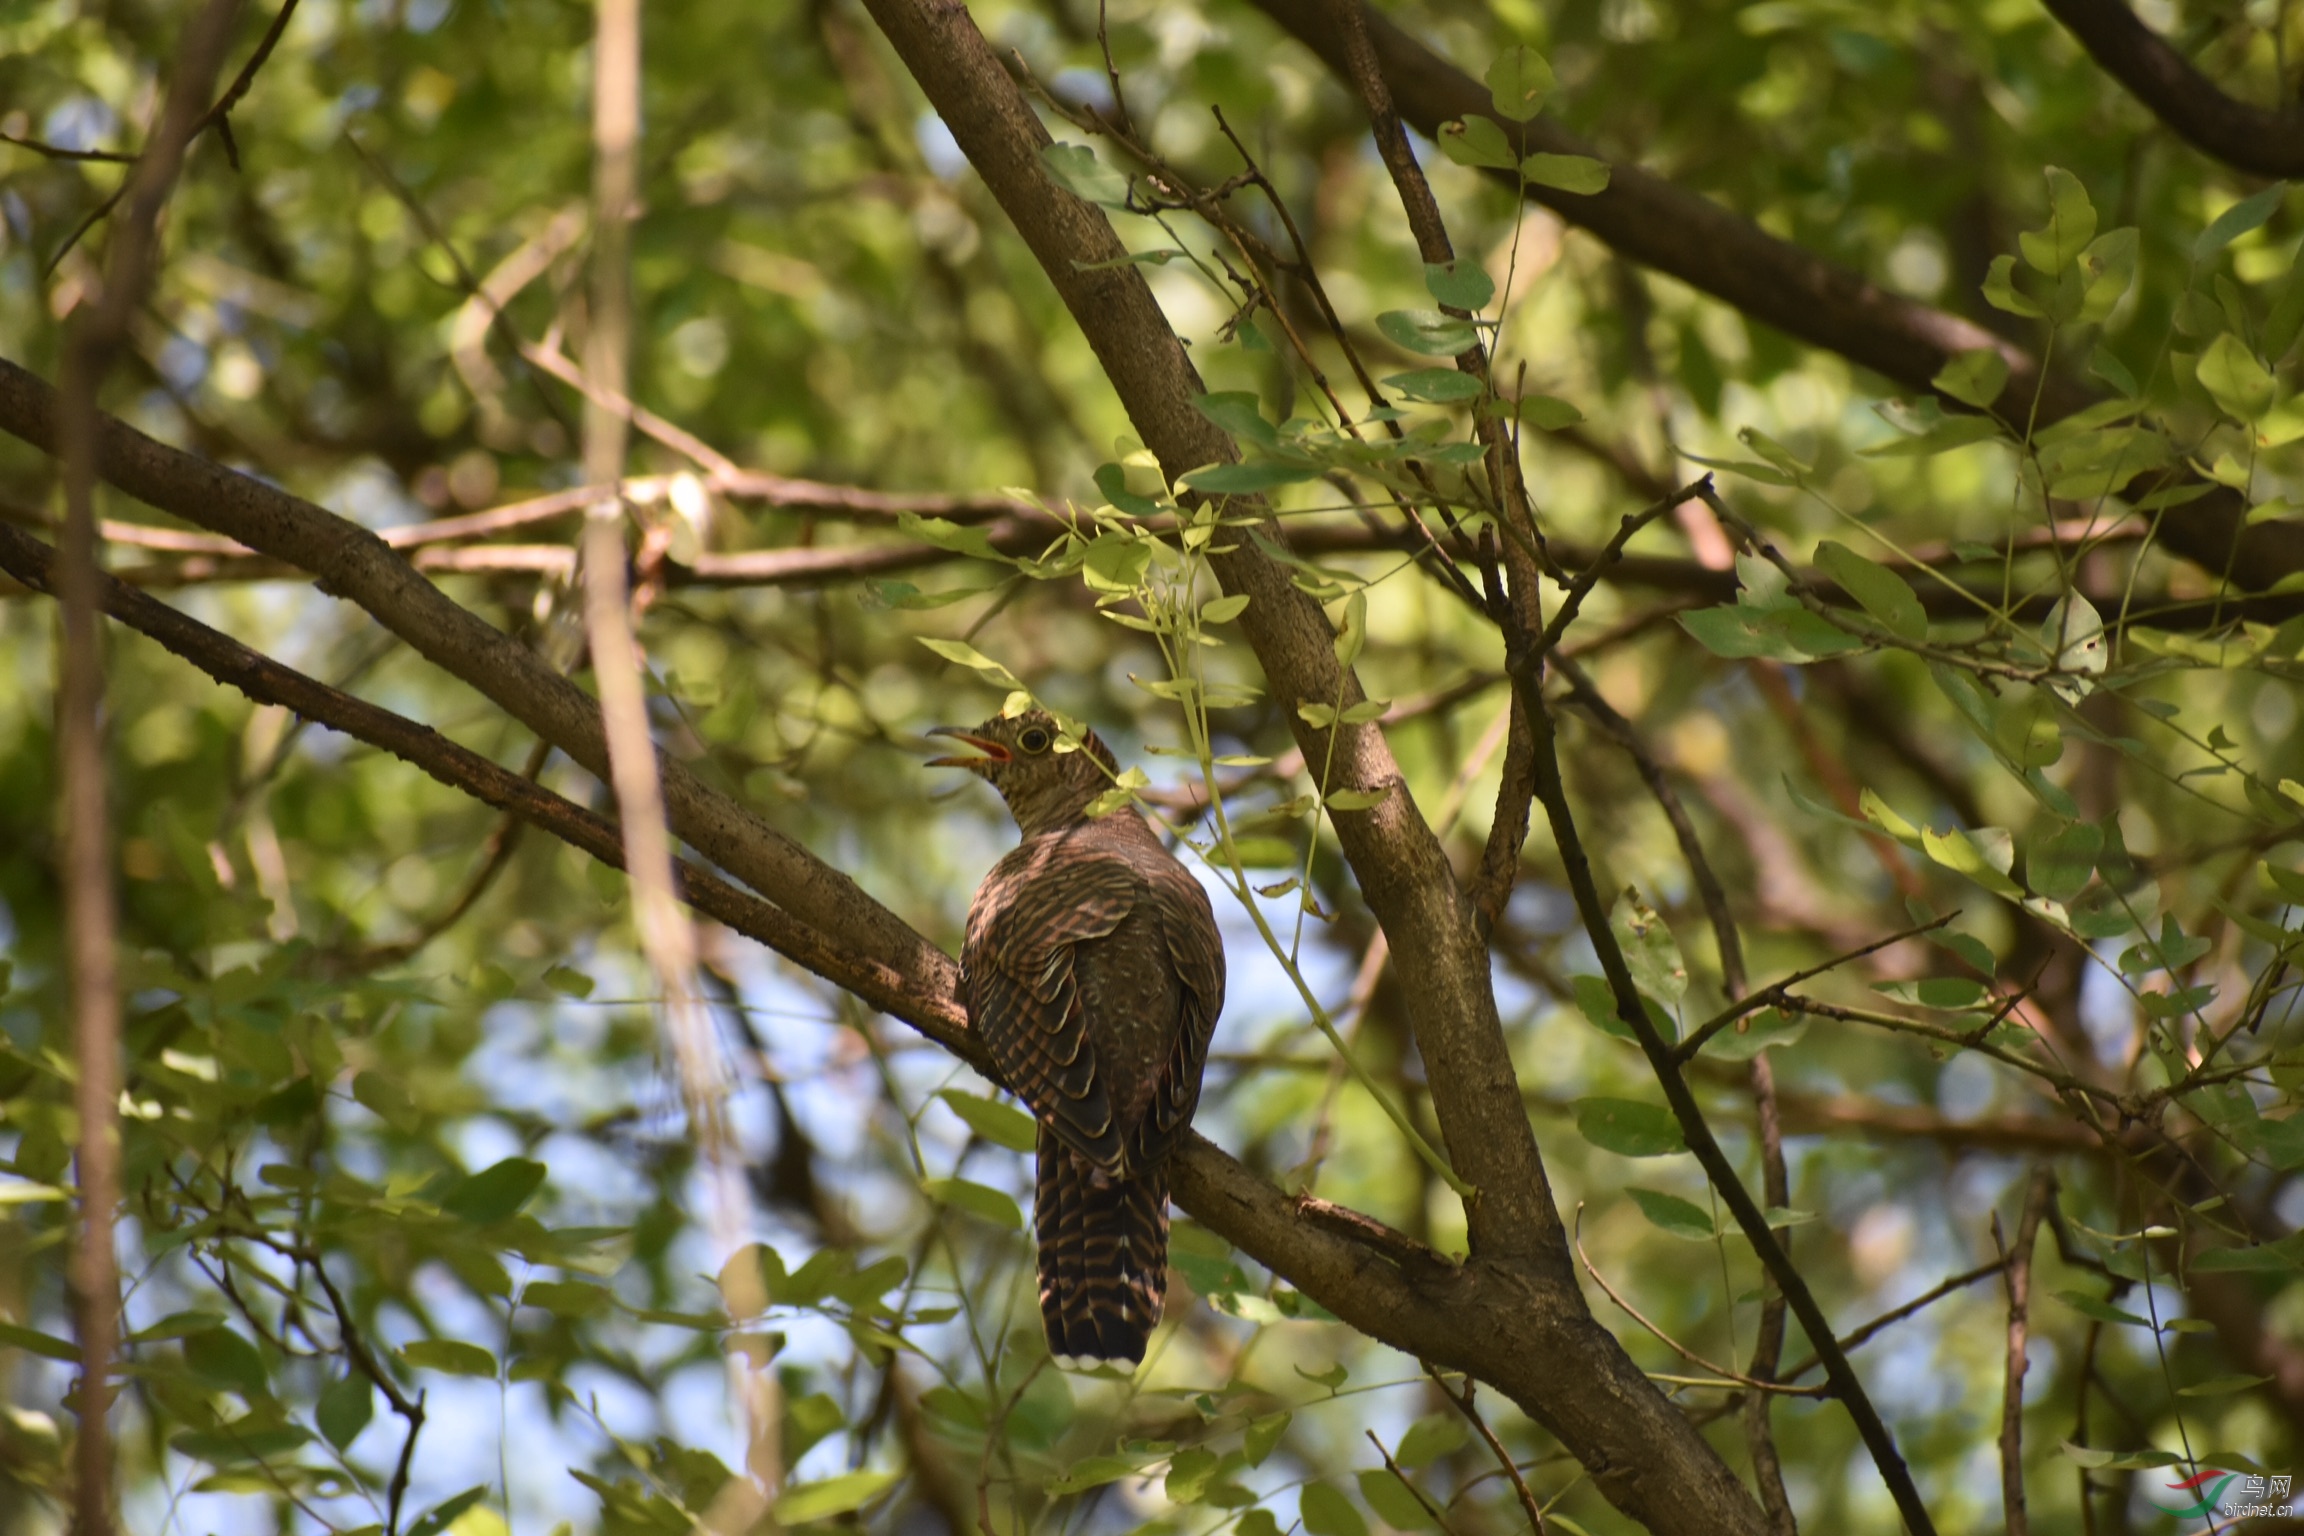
(1772, 994)
(2018, 1262)
(90, 918)
(1511, 1468)
(1729, 1377)
(1551, 790)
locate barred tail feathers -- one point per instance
(1103, 1244)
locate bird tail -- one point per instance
(1103, 1242)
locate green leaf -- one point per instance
(1437, 386)
(2221, 1386)
(1478, 141)
(803, 1502)
(1354, 799)
(1325, 1511)
(1956, 993)
(1393, 1502)
(2240, 384)
(495, 1192)
(1003, 1125)
(1077, 170)
(1096, 1471)
(1189, 1473)
(807, 1420)
(568, 982)
(1948, 434)
(1352, 634)
(1649, 949)
(12, 1336)
(1736, 632)
(2071, 225)
(1974, 378)
(1545, 412)
(1518, 82)
(1679, 1217)
(2001, 292)
(1263, 1437)
(2279, 1255)
(453, 1356)
(1974, 855)
(253, 1438)
(345, 1408)
(1427, 330)
(1239, 413)
(2096, 1459)
(1628, 1127)
(1265, 853)
(567, 1298)
(978, 1200)
(1223, 610)
(966, 655)
(2099, 1309)
(1597, 1002)
(1580, 174)
(2109, 268)
(1246, 479)
(1430, 1438)
(1885, 595)
(2287, 317)
(2058, 866)
(1751, 1035)
(387, 1098)
(1461, 283)
(225, 1359)
(2247, 214)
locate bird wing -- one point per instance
(1195, 952)
(1025, 999)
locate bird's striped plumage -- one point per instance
(1093, 972)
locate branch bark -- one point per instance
(2259, 140)
(2018, 1259)
(90, 924)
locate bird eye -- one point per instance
(1034, 739)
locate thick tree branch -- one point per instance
(1403, 871)
(2259, 140)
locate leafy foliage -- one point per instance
(415, 1220)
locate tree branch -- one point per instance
(2018, 1262)
(90, 915)
(1648, 219)
(2259, 140)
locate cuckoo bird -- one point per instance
(1093, 973)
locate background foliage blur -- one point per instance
(416, 1053)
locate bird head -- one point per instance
(1047, 783)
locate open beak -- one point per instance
(992, 750)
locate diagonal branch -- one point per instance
(1377, 1280)
(2259, 140)
(1552, 793)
